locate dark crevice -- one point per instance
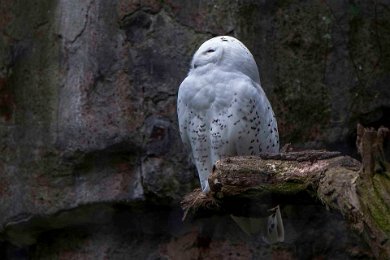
(114, 154)
(84, 25)
(376, 118)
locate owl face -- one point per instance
(209, 52)
(228, 54)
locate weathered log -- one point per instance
(359, 191)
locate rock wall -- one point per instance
(88, 131)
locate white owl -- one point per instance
(222, 109)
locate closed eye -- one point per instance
(211, 50)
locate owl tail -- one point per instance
(275, 227)
(271, 227)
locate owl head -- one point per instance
(226, 53)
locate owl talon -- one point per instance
(274, 209)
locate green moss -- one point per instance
(34, 77)
(247, 11)
(374, 197)
(369, 50)
(286, 188)
(303, 37)
(380, 209)
(32, 84)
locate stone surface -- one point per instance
(88, 102)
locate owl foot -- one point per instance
(197, 200)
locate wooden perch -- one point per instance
(359, 191)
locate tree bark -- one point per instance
(360, 191)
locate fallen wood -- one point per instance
(359, 191)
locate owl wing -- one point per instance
(250, 124)
(193, 125)
(230, 117)
(183, 117)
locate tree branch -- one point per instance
(359, 191)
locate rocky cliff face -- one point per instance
(91, 162)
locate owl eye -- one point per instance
(210, 51)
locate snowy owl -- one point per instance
(221, 107)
